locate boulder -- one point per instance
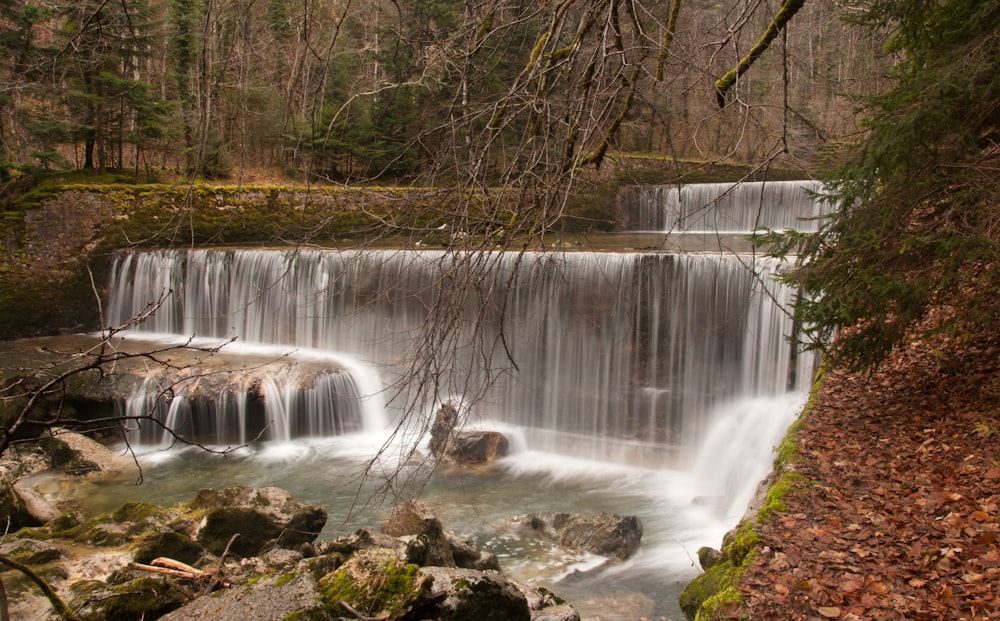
(464, 447)
(477, 447)
(462, 594)
(375, 583)
(262, 517)
(709, 557)
(14, 508)
(467, 555)
(77, 454)
(606, 534)
(32, 551)
(442, 549)
(415, 518)
(288, 596)
(36, 505)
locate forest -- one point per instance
(345, 91)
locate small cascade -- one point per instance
(265, 407)
(721, 207)
(634, 349)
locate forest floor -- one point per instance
(896, 516)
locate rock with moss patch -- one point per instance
(170, 544)
(285, 596)
(262, 517)
(461, 594)
(708, 557)
(375, 583)
(32, 551)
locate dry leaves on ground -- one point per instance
(898, 514)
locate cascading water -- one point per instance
(721, 207)
(625, 349)
(653, 384)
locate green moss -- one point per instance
(787, 481)
(144, 598)
(706, 586)
(713, 607)
(285, 579)
(374, 584)
(739, 543)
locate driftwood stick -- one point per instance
(162, 561)
(177, 573)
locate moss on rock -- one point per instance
(375, 583)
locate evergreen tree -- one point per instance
(917, 222)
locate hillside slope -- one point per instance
(897, 515)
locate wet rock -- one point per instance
(36, 505)
(263, 517)
(443, 429)
(467, 555)
(606, 534)
(477, 447)
(415, 518)
(464, 447)
(439, 547)
(75, 453)
(462, 594)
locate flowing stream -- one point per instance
(719, 208)
(654, 384)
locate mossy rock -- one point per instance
(460, 594)
(255, 531)
(170, 544)
(375, 582)
(707, 585)
(142, 598)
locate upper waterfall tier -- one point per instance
(634, 347)
(721, 207)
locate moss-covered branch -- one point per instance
(788, 10)
(62, 609)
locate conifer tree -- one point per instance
(917, 222)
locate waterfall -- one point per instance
(634, 349)
(721, 207)
(270, 408)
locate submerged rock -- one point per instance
(605, 534)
